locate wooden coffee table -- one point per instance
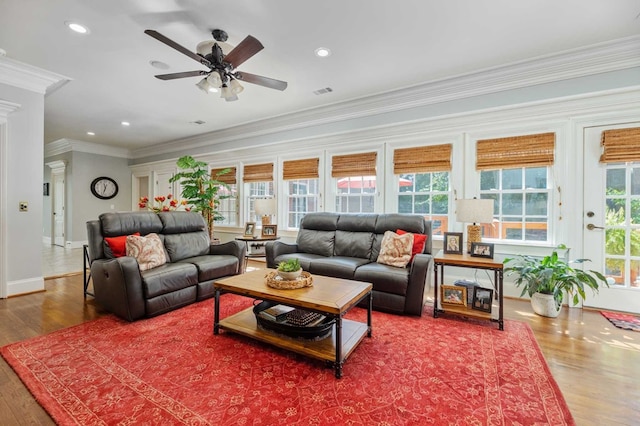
(332, 297)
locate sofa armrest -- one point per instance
(417, 280)
(232, 248)
(274, 249)
(117, 286)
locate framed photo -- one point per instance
(482, 299)
(454, 295)
(249, 229)
(453, 242)
(269, 231)
(482, 250)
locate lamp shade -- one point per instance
(265, 206)
(474, 210)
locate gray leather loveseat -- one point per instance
(347, 246)
(192, 263)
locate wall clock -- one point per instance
(104, 188)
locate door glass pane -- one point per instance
(615, 241)
(615, 182)
(635, 273)
(614, 268)
(635, 181)
(635, 242)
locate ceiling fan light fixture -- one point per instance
(214, 79)
(235, 86)
(204, 85)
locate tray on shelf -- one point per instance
(314, 332)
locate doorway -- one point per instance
(611, 231)
(58, 215)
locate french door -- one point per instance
(611, 231)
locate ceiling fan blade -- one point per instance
(246, 49)
(178, 47)
(175, 75)
(262, 81)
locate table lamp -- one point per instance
(265, 208)
(476, 211)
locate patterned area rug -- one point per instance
(172, 370)
(620, 320)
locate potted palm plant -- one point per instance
(547, 279)
(200, 189)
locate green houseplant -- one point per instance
(547, 279)
(289, 269)
(200, 189)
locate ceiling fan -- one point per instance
(222, 65)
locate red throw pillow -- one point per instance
(118, 245)
(419, 240)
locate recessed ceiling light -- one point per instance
(74, 26)
(125, 123)
(91, 133)
(160, 65)
(323, 52)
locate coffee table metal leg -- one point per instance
(338, 347)
(369, 309)
(216, 313)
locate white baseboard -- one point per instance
(46, 240)
(28, 285)
(74, 244)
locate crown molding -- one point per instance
(594, 59)
(28, 77)
(61, 146)
(7, 108)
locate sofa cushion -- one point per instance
(213, 266)
(148, 250)
(186, 245)
(168, 278)
(116, 246)
(336, 266)
(304, 258)
(419, 241)
(385, 278)
(181, 222)
(316, 242)
(353, 244)
(395, 249)
(116, 224)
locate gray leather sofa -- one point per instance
(192, 263)
(347, 246)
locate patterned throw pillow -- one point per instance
(395, 250)
(148, 250)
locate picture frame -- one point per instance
(454, 295)
(482, 250)
(452, 243)
(269, 231)
(249, 229)
(482, 299)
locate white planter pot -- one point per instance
(545, 305)
(290, 276)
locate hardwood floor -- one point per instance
(596, 365)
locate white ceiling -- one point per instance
(377, 46)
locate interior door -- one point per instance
(58, 208)
(611, 231)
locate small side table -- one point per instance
(259, 243)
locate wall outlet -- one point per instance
(23, 206)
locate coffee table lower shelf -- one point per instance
(353, 333)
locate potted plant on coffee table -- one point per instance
(547, 279)
(289, 269)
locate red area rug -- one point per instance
(624, 321)
(172, 370)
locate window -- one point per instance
(302, 189)
(228, 207)
(423, 183)
(259, 180)
(514, 173)
(356, 186)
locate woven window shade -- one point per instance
(363, 164)
(620, 145)
(518, 151)
(228, 178)
(300, 169)
(434, 158)
(258, 173)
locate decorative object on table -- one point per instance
(104, 188)
(546, 279)
(269, 231)
(249, 229)
(482, 299)
(265, 208)
(453, 242)
(624, 321)
(163, 203)
(277, 312)
(476, 211)
(454, 295)
(273, 280)
(201, 189)
(296, 323)
(482, 250)
(289, 269)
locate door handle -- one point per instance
(591, 227)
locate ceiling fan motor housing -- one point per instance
(219, 35)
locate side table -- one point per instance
(260, 242)
(467, 261)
